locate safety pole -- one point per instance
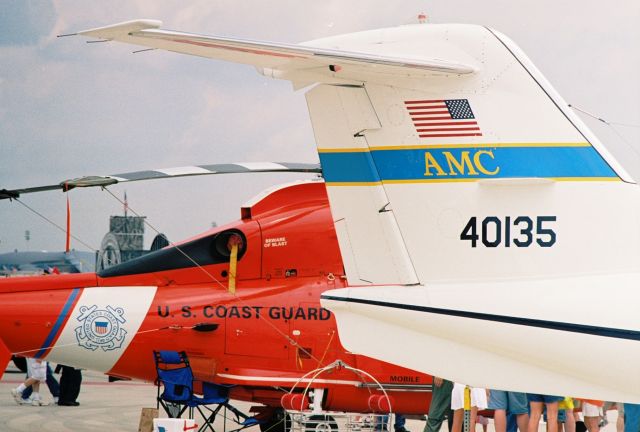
(467, 409)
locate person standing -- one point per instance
(513, 403)
(566, 418)
(52, 383)
(70, 382)
(537, 402)
(592, 412)
(440, 407)
(478, 402)
(36, 373)
(631, 417)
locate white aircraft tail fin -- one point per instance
(423, 173)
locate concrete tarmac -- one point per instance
(116, 407)
(104, 406)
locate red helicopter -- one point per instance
(243, 301)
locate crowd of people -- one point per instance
(64, 393)
(513, 411)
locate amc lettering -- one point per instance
(464, 164)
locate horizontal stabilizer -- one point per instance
(195, 170)
(288, 61)
(488, 334)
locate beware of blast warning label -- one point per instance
(247, 312)
(275, 242)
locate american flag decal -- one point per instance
(101, 327)
(443, 118)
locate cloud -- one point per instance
(69, 109)
(25, 22)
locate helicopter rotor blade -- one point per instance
(185, 171)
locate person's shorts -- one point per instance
(562, 416)
(478, 397)
(590, 410)
(567, 403)
(512, 402)
(534, 397)
(37, 369)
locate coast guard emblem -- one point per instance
(100, 328)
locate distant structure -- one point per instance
(35, 263)
(125, 240)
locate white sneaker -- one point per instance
(27, 401)
(38, 402)
(17, 395)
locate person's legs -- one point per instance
(591, 414)
(36, 372)
(36, 399)
(631, 417)
(562, 416)
(483, 422)
(517, 405)
(65, 385)
(472, 419)
(457, 405)
(29, 382)
(458, 415)
(450, 420)
(76, 381)
(569, 421)
(440, 406)
(52, 383)
(534, 416)
(552, 416)
(591, 423)
(398, 424)
(498, 403)
(512, 423)
(523, 422)
(18, 391)
(500, 420)
(620, 419)
(73, 378)
(26, 393)
(619, 423)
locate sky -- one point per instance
(69, 109)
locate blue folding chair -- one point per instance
(176, 376)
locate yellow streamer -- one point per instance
(233, 262)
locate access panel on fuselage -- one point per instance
(256, 330)
(315, 335)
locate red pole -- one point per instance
(67, 248)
